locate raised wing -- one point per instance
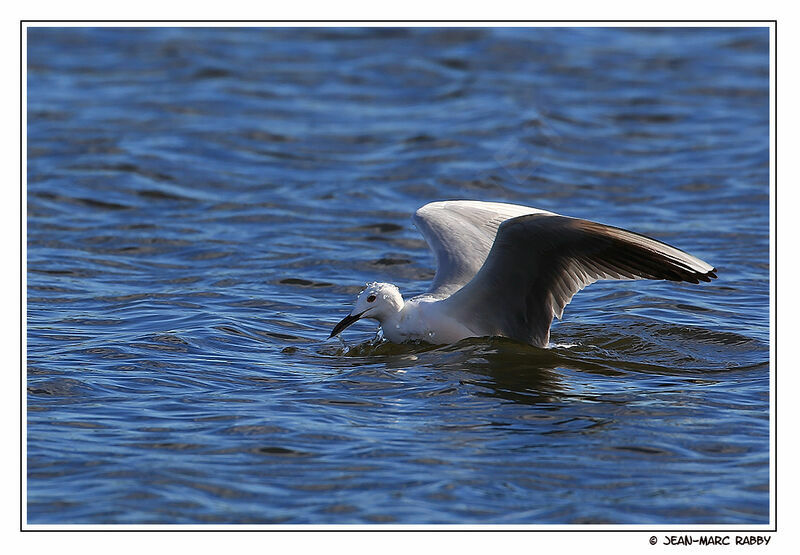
(538, 262)
(461, 233)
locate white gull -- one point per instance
(506, 270)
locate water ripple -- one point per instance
(203, 205)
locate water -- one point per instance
(204, 205)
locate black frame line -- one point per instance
(300, 528)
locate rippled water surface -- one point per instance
(203, 205)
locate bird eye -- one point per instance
(370, 298)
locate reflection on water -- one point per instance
(204, 205)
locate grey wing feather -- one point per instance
(461, 233)
(538, 262)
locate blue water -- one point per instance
(204, 204)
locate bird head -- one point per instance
(378, 301)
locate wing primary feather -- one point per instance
(539, 261)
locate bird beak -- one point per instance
(346, 321)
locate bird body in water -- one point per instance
(506, 270)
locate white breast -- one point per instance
(423, 319)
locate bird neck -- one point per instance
(396, 305)
(395, 302)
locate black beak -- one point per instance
(346, 321)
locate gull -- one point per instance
(506, 270)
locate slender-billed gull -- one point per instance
(506, 270)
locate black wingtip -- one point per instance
(708, 276)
